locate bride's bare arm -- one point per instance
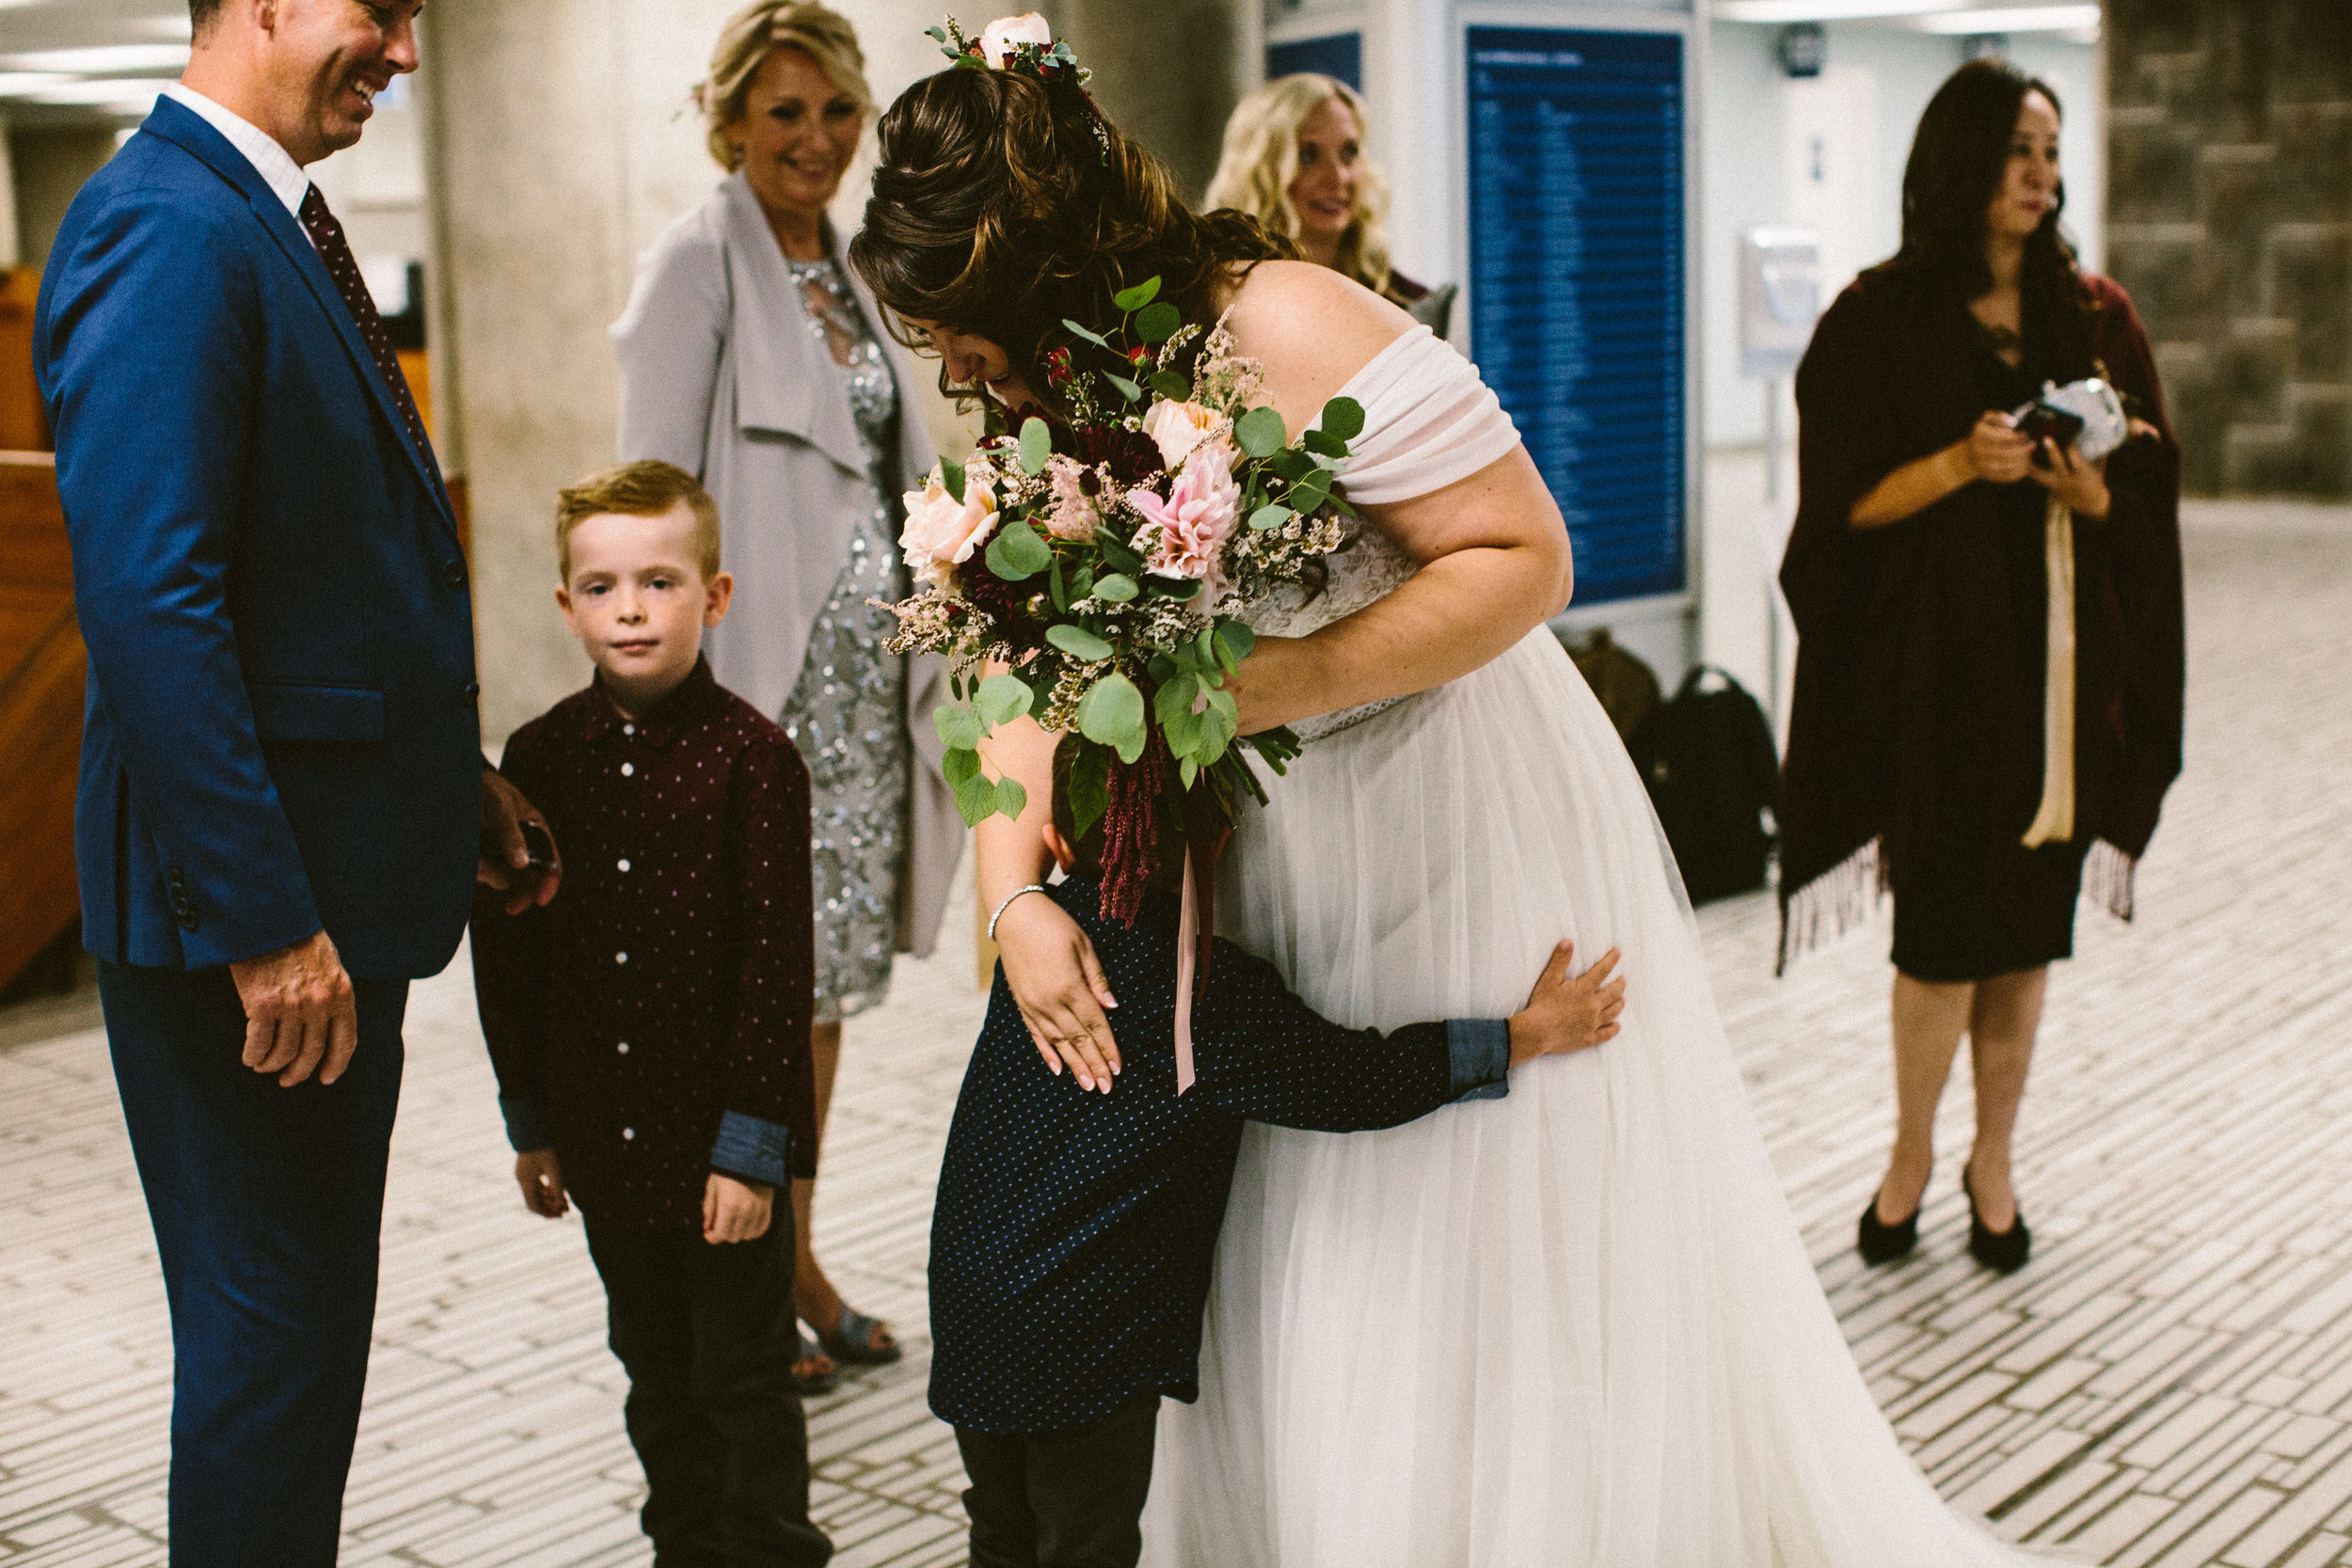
(1049, 965)
(1493, 548)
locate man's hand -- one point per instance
(504, 863)
(298, 1011)
(542, 1180)
(1564, 1014)
(734, 1210)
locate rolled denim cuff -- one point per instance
(752, 1150)
(526, 1123)
(1480, 1048)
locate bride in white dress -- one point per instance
(1575, 1326)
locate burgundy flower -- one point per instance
(1134, 457)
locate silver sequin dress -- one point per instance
(848, 711)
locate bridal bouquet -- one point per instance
(1097, 562)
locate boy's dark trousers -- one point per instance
(1061, 1499)
(706, 1335)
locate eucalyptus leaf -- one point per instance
(1294, 465)
(1090, 788)
(1324, 444)
(1013, 796)
(1138, 297)
(1175, 696)
(1116, 587)
(1184, 732)
(951, 475)
(1004, 698)
(1127, 388)
(1260, 432)
(1082, 586)
(1159, 323)
(1078, 643)
(958, 726)
(1186, 770)
(1272, 514)
(1166, 587)
(1111, 714)
(1091, 337)
(1060, 589)
(1172, 386)
(1234, 640)
(1037, 445)
(1118, 553)
(958, 766)
(1344, 417)
(976, 799)
(1017, 552)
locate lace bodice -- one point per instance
(1428, 422)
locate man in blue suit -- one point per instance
(282, 794)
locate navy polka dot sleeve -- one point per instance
(1073, 1235)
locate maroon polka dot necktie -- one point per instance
(344, 268)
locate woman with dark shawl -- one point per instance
(1989, 668)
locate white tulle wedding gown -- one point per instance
(1571, 1327)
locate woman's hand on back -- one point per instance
(1058, 984)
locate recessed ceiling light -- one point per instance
(149, 57)
(1821, 11)
(128, 92)
(2013, 18)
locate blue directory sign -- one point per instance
(1336, 54)
(1577, 284)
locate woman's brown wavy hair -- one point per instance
(1004, 205)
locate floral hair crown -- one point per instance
(1025, 45)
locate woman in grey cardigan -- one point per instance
(752, 356)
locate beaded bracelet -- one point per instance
(1033, 887)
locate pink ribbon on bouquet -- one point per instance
(1196, 922)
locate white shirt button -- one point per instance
(629, 1134)
(621, 1047)
(620, 958)
(628, 769)
(625, 866)
(628, 729)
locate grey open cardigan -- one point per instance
(721, 375)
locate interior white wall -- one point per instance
(1745, 174)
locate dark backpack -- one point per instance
(1713, 773)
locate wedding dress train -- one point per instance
(1575, 1327)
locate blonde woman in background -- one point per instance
(1294, 159)
(752, 358)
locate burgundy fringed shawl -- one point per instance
(1888, 379)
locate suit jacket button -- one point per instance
(472, 691)
(454, 573)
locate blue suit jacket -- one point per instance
(281, 731)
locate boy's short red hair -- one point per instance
(646, 488)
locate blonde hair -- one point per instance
(758, 31)
(646, 488)
(1260, 159)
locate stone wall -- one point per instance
(2230, 221)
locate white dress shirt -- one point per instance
(273, 163)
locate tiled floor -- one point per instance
(2170, 1383)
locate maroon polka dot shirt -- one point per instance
(651, 1023)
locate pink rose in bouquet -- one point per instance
(942, 531)
(1176, 428)
(998, 37)
(1196, 517)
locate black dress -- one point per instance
(1974, 902)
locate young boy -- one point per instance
(650, 1026)
(1072, 1241)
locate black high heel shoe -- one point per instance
(1881, 1243)
(2002, 1251)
